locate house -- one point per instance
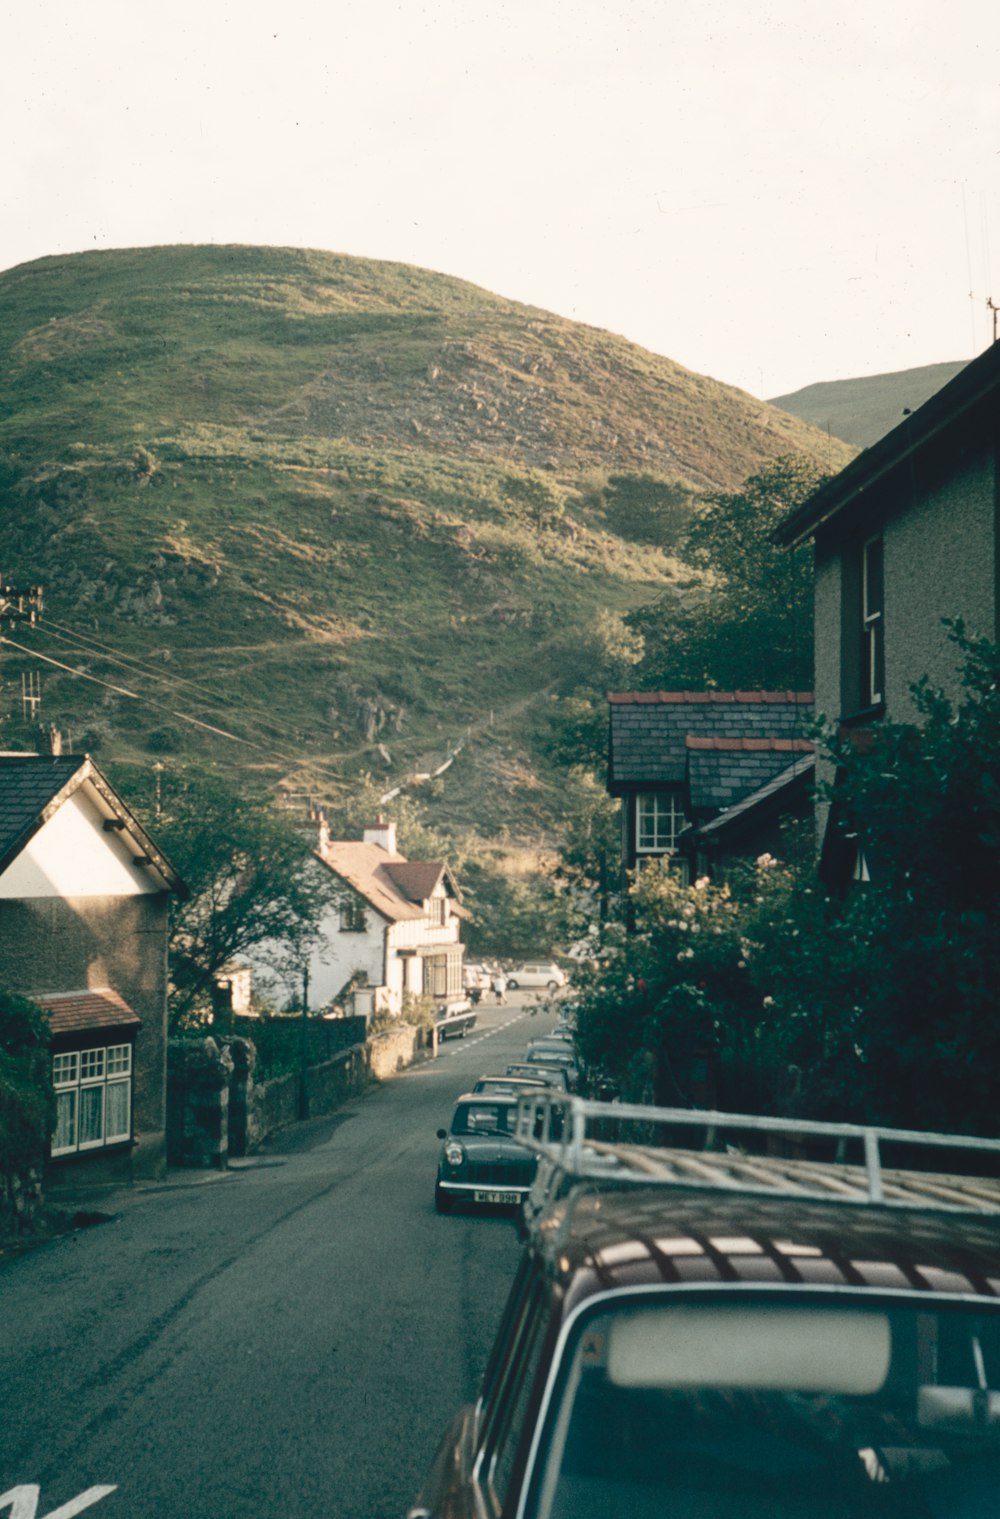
(84, 896)
(905, 537)
(707, 775)
(394, 926)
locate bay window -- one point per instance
(93, 1088)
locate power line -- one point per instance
(184, 717)
(82, 643)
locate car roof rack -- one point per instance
(618, 1145)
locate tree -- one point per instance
(251, 880)
(883, 1001)
(27, 1103)
(659, 1002)
(747, 622)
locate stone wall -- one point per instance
(215, 1108)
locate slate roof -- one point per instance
(28, 783)
(649, 730)
(969, 401)
(721, 772)
(78, 1012)
(774, 796)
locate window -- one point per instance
(659, 819)
(438, 911)
(443, 974)
(352, 916)
(93, 1098)
(872, 624)
(507, 1427)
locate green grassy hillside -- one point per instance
(345, 511)
(863, 410)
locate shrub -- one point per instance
(27, 1102)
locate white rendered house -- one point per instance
(394, 926)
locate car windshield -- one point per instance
(484, 1118)
(550, 1057)
(770, 1412)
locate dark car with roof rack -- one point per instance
(760, 1320)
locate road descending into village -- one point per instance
(287, 1338)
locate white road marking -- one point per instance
(23, 1502)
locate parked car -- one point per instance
(559, 1044)
(538, 973)
(508, 1086)
(481, 1162)
(545, 1057)
(551, 1075)
(454, 1019)
(718, 1334)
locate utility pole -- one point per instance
(19, 606)
(991, 305)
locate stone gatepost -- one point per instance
(245, 1128)
(198, 1077)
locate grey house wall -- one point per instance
(939, 533)
(49, 944)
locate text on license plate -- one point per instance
(496, 1197)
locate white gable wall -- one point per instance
(341, 954)
(72, 856)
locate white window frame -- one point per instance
(438, 911)
(872, 625)
(93, 1068)
(667, 816)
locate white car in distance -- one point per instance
(538, 973)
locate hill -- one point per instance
(346, 512)
(861, 411)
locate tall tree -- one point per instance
(251, 879)
(746, 622)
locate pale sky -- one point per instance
(771, 192)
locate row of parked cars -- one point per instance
(481, 1163)
(725, 1315)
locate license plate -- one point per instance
(496, 1197)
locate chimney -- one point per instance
(383, 833)
(324, 831)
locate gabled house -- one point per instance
(84, 896)
(394, 928)
(905, 536)
(706, 775)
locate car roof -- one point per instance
(610, 1212)
(528, 1081)
(643, 1237)
(479, 1097)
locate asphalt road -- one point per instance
(290, 1337)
